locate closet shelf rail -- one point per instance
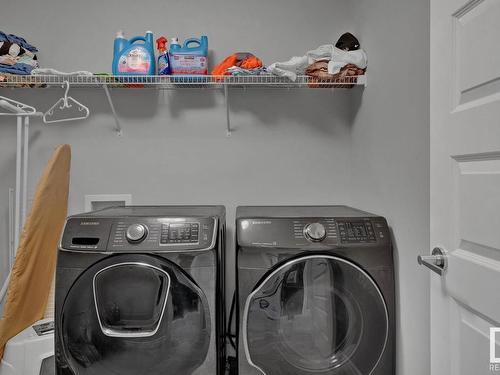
(175, 82)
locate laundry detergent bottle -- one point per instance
(135, 56)
(191, 58)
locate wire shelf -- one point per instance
(175, 82)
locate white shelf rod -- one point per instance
(17, 205)
(18, 197)
(118, 127)
(11, 227)
(25, 170)
(228, 117)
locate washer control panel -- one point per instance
(163, 234)
(136, 234)
(356, 231)
(180, 233)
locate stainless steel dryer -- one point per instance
(315, 292)
(139, 290)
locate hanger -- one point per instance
(66, 102)
(14, 107)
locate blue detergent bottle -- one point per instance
(191, 58)
(135, 56)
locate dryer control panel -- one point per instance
(136, 234)
(316, 233)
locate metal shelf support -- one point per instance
(228, 117)
(118, 127)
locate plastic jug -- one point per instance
(191, 58)
(135, 56)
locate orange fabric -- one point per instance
(35, 261)
(250, 62)
(221, 68)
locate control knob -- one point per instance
(315, 232)
(136, 233)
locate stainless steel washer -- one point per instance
(140, 290)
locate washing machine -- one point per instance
(315, 292)
(139, 290)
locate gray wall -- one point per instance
(390, 154)
(288, 146)
(369, 150)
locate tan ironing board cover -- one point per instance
(35, 261)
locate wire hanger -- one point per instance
(14, 107)
(66, 102)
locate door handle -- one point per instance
(437, 262)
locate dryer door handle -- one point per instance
(437, 262)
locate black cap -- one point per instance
(348, 42)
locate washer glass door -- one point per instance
(315, 314)
(134, 314)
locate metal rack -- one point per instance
(176, 82)
(18, 197)
(223, 83)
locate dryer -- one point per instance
(140, 290)
(315, 292)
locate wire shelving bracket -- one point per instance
(118, 127)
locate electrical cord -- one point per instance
(231, 336)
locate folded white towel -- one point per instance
(337, 60)
(341, 58)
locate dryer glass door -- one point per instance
(315, 314)
(134, 314)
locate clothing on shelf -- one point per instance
(346, 51)
(335, 57)
(320, 75)
(342, 58)
(238, 71)
(17, 40)
(18, 68)
(50, 71)
(16, 55)
(298, 64)
(244, 60)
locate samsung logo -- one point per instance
(90, 223)
(246, 223)
(261, 222)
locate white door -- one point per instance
(465, 185)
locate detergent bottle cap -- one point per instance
(174, 41)
(149, 32)
(161, 44)
(119, 34)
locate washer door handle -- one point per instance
(130, 333)
(437, 262)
